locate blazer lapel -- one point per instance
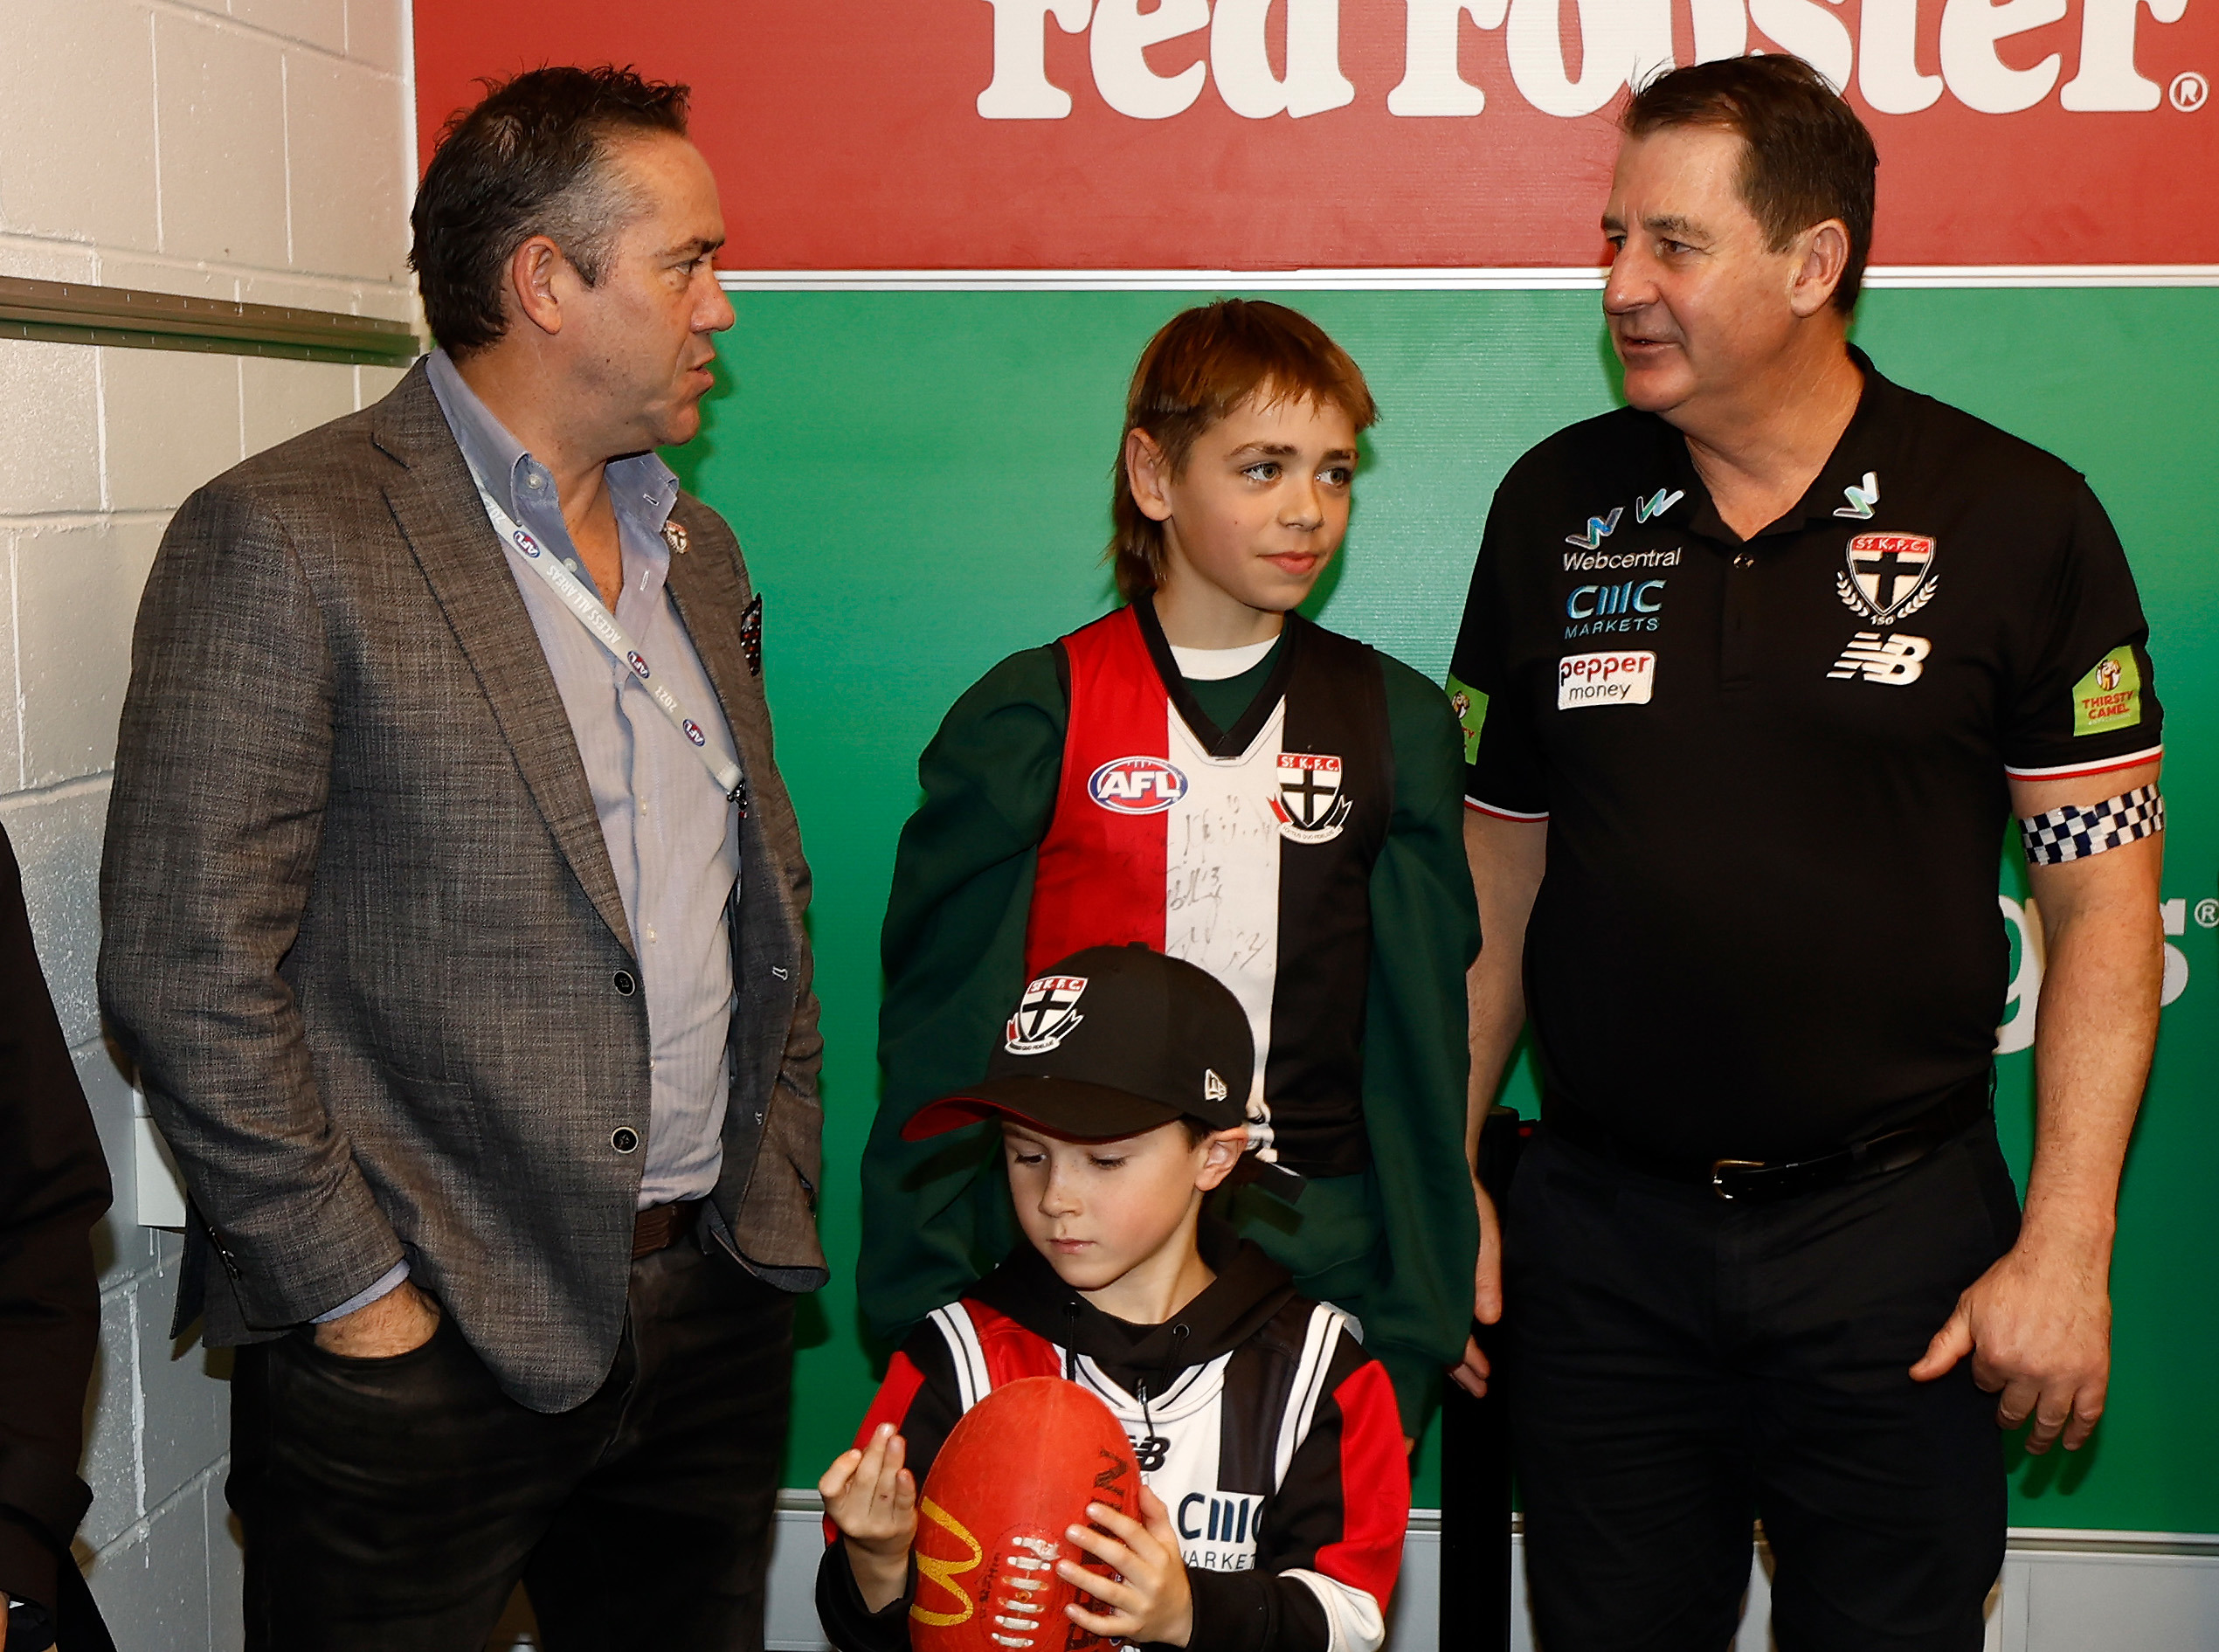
(706, 587)
(436, 505)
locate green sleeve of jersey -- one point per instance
(936, 1214)
(1424, 934)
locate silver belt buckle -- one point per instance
(1718, 1181)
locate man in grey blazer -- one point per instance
(453, 911)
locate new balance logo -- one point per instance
(1657, 504)
(1599, 529)
(1862, 500)
(1895, 659)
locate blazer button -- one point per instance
(625, 985)
(625, 1139)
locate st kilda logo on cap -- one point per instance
(1046, 1015)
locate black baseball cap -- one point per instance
(1111, 1041)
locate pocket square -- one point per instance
(751, 636)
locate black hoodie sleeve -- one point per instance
(1331, 1542)
(918, 1397)
(850, 1625)
(1253, 1612)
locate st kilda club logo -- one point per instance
(1046, 1015)
(1890, 577)
(1310, 806)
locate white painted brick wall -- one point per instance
(260, 150)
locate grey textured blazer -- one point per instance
(362, 936)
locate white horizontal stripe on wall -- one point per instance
(1417, 281)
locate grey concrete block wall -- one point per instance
(253, 149)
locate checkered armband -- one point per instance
(2074, 833)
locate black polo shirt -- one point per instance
(1773, 771)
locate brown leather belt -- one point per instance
(660, 1226)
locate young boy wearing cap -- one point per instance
(1207, 773)
(1276, 1487)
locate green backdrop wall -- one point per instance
(922, 479)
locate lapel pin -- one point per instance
(673, 535)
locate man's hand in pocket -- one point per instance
(403, 1319)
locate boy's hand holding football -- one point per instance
(873, 1500)
(1150, 1599)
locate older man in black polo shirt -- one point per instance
(1755, 668)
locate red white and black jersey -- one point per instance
(1233, 849)
(1271, 1437)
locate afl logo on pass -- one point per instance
(638, 661)
(1136, 786)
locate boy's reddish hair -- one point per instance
(1204, 364)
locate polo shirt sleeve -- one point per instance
(2086, 702)
(1504, 772)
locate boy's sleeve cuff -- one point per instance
(850, 1625)
(1232, 1611)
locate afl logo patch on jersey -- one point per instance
(1136, 786)
(1046, 1015)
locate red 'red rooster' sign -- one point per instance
(1264, 135)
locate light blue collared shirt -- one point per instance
(673, 838)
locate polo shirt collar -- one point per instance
(1847, 466)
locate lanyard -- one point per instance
(598, 620)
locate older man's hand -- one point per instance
(2037, 1326)
(401, 1320)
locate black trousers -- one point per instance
(395, 1504)
(1680, 1367)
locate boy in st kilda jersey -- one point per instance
(1207, 773)
(1276, 1489)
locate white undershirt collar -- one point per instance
(1215, 665)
